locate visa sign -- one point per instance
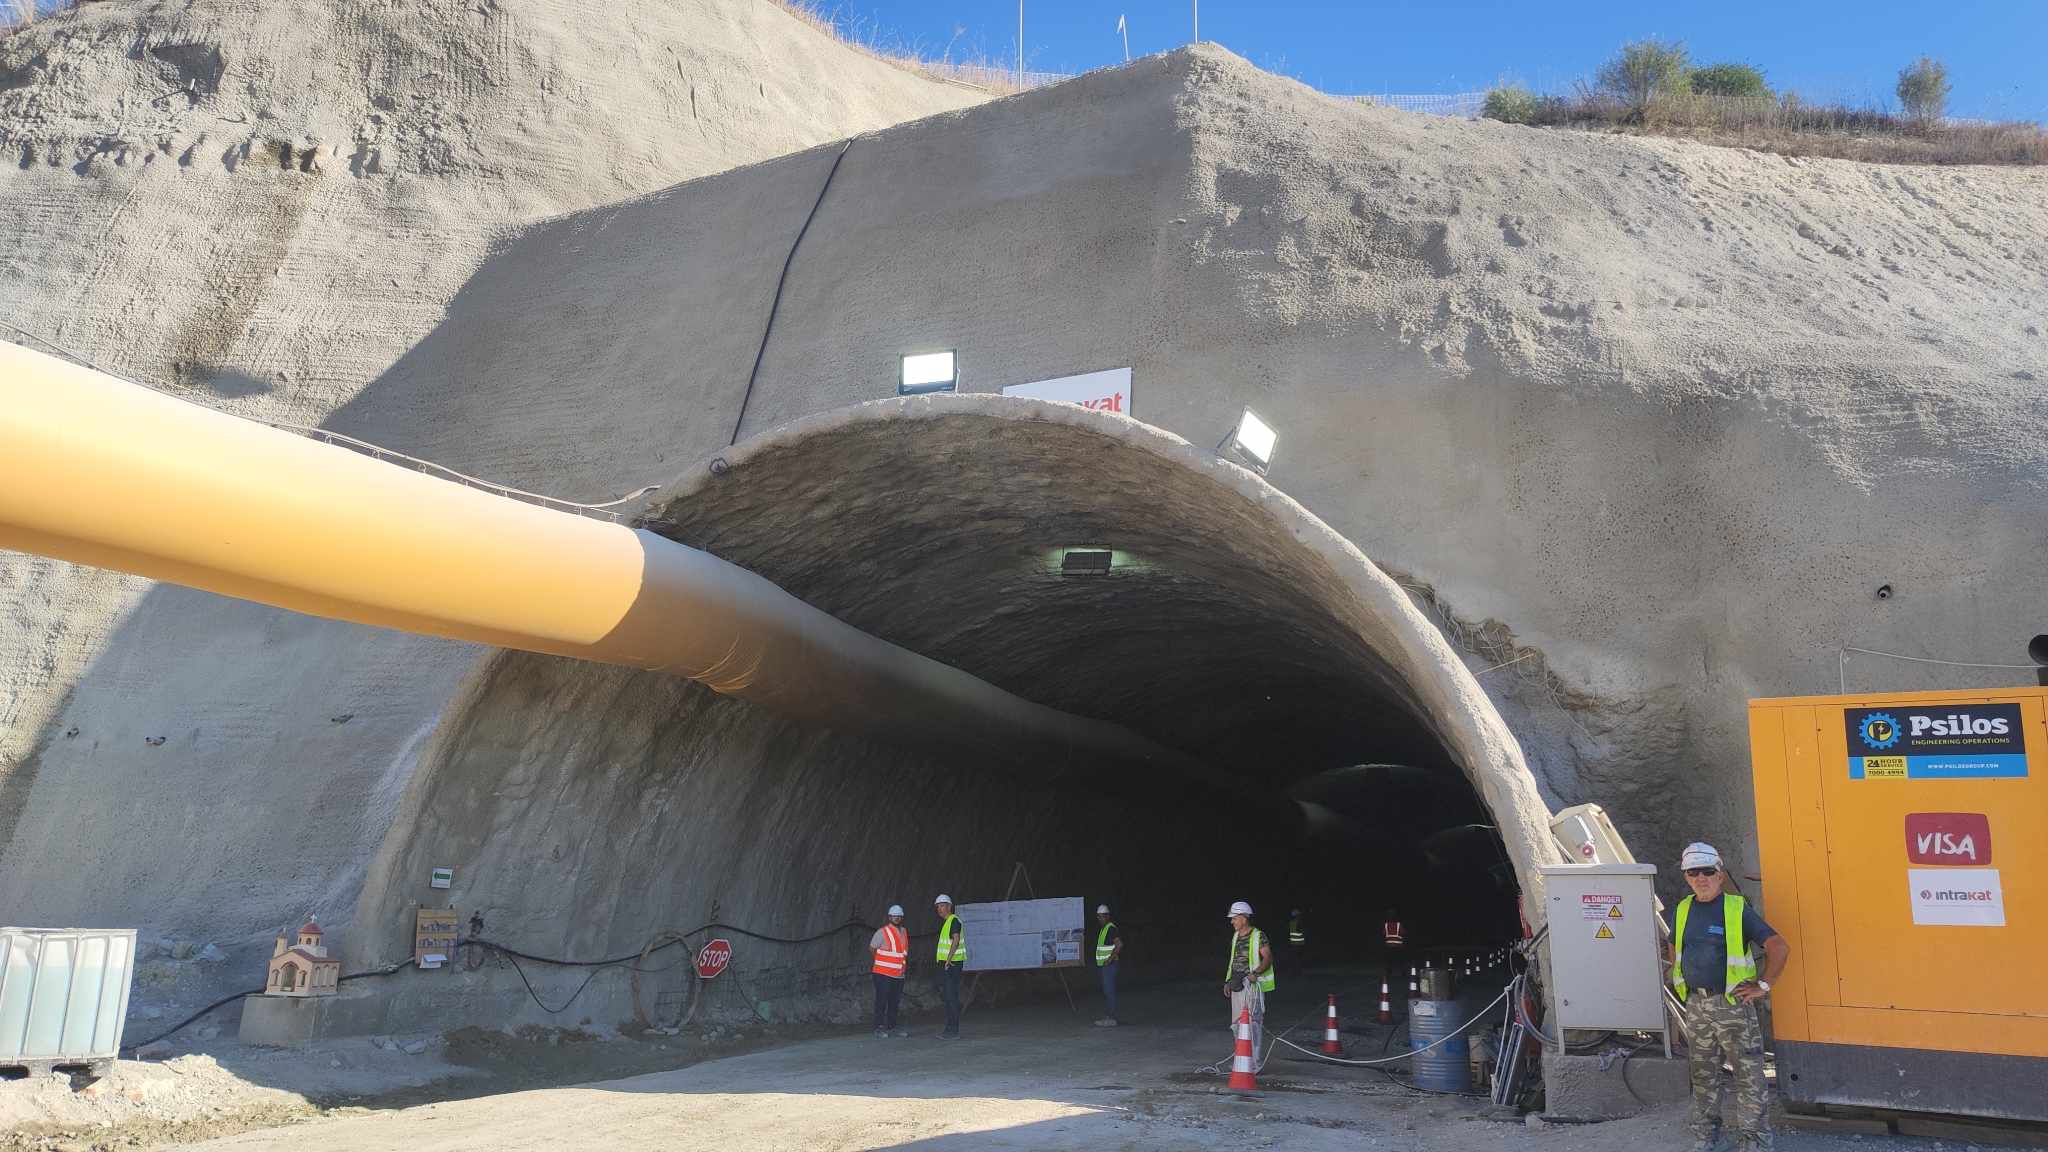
(1955, 838)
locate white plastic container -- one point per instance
(63, 995)
(1587, 836)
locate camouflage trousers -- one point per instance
(1723, 1032)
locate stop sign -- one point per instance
(713, 957)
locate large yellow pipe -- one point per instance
(101, 472)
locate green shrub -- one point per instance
(1643, 72)
(1728, 80)
(1923, 89)
(1510, 104)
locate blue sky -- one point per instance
(1997, 53)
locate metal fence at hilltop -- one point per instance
(995, 79)
(1464, 105)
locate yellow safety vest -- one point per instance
(1104, 950)
(951, 948)
(1268, 981)
(1294, 933)
(1741, 966)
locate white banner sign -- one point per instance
(1108, 391)
(1023, 934)
(1965, 896)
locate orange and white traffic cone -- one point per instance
(1386, 1008)
(1331, 1045)
(1243, 1066)
(1414, 987)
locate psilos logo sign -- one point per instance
(1952, 742)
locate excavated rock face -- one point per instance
(591, 806)
(1645, 423)
(263, 204)
(1642, 424)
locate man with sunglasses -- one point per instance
(1714, 937)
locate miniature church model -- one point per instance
(302, 969)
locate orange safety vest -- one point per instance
(894, 952)
(1392, 929)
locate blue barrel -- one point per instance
(1448, 1066)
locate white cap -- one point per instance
(895, 909)
(1103, 908)
(943, 899)
(1699, 856)
(1239, 909)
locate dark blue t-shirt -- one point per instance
(1705, 955)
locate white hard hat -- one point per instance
(895, 909)
(943, 899)
(1239, 909)
(1699, 856)
(1103, 908)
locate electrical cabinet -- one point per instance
(1603, 946)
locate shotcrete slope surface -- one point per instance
(264, 204)
(1664, 413)
(1662, 416)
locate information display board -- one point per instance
(1011, 934)
(433, 938)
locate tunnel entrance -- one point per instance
(1340, 757)
(1109, 569)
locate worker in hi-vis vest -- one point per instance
(1109, 948)
(1396, 940)
(1714, 937)
(1296, 934)
(1250, 973)
(952, 957)
(891, 947)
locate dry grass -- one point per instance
(1790, 127)
(981, 72)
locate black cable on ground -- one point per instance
(188, 1021)
(1626, 1057)
(515, 955)
(632, 963)
(776, 304)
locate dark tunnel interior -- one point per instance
(1095, 577)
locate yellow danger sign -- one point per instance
(1614, 913)
(1605, 933)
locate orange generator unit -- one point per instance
(1905, 858)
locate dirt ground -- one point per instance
(217, 1087)
(1025, 1077)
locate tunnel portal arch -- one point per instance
(939, 523)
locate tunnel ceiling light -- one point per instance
(928, 372)
(1252, 441)
(1085, 561)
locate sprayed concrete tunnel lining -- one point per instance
(1232, 625)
